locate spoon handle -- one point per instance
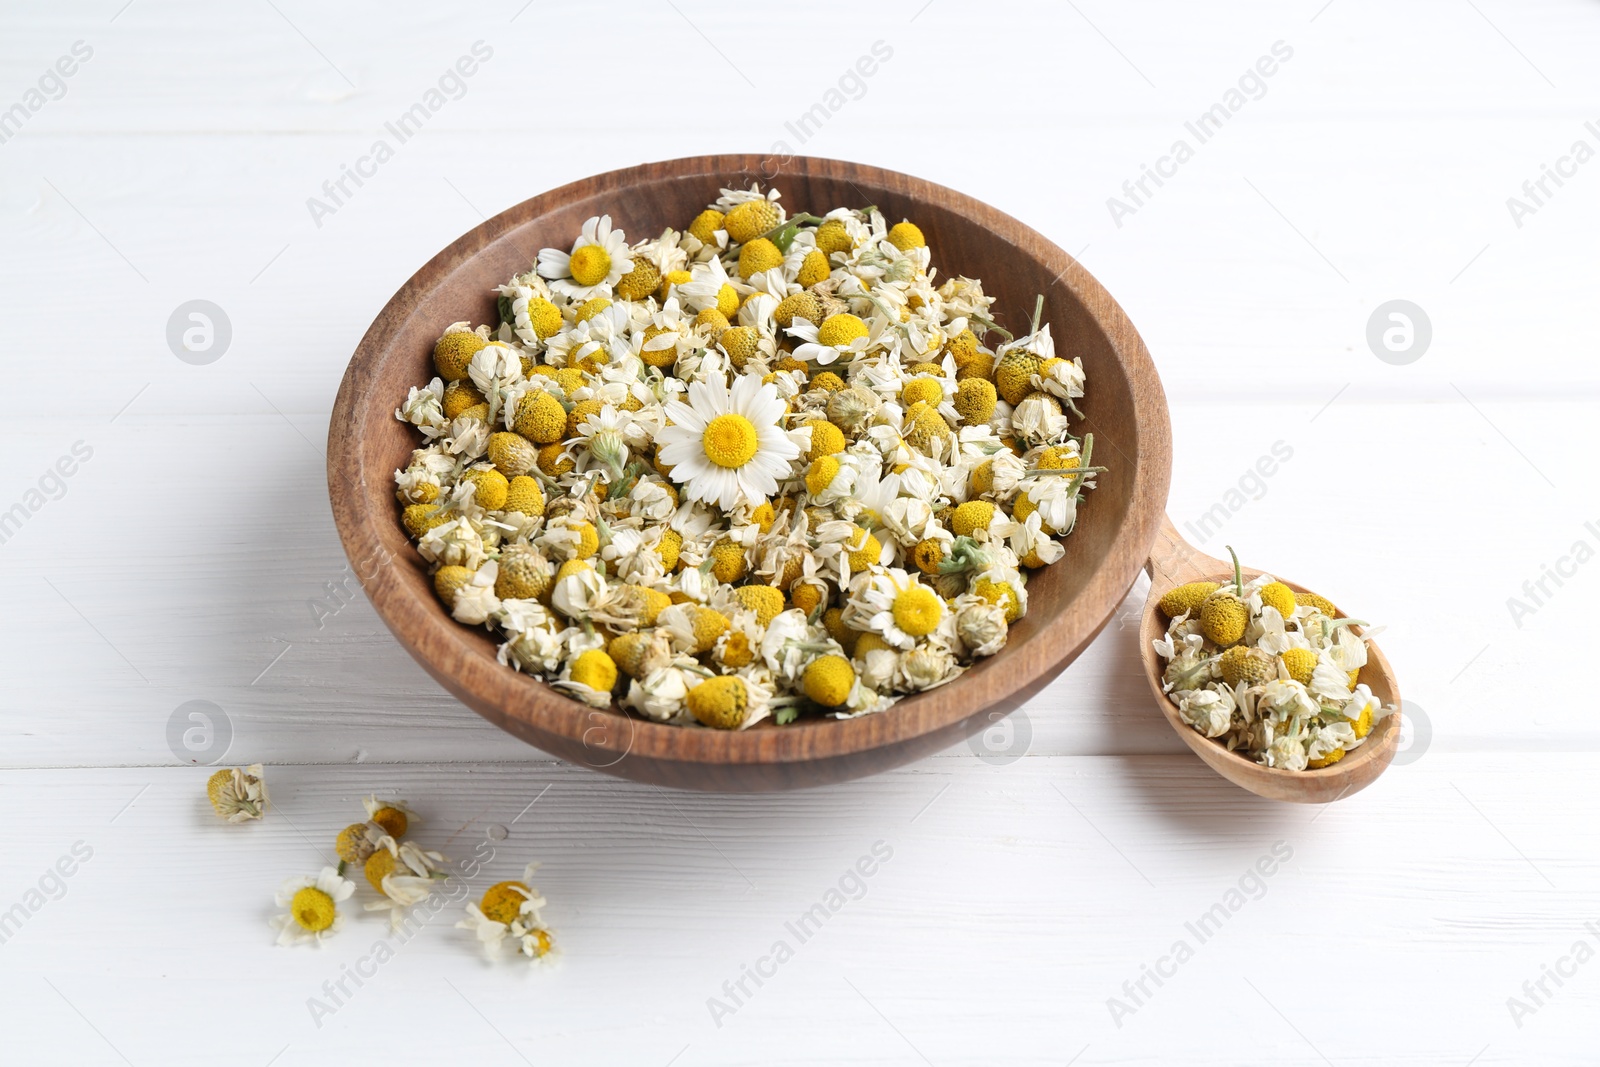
(1174, 561)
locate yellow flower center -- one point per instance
(917, 610)
(379, 865)
(765, 600)
(352, 845)
(971, 517)
(590, 265)
(596, 670)
(544, 317)
(927, 555)
(728, 300)
(841, 329)
(807, 597)
(864, 549)
(827, 680)
(590, 308)
(824, 469)
(312, 909)
(925, 390)
(736, 651)
(720, 703)
(730, 440)
(708, 625)
(906, 236)
(393, 821)
(502, 902)
(541, 946)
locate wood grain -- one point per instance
(1069, 602)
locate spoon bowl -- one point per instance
(1173, 562)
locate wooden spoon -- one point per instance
(1173, 562)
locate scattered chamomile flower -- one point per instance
(395, 817)
(313, 903)
(404, 874)
(238, 794)
(506, 920)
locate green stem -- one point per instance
(1238, 575)
(1038, 312)
(1083, 471)
(1065, 472)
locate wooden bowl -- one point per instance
(1069, 602)
(1173, 562)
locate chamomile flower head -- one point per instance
(238, 794)
(896, 605)
(506, 920)
(598, 260)
(356, 843)
(313, 907)
(404, 874)
(394, 816)
(839, 336)
(725, 446)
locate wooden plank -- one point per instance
(1026, 894)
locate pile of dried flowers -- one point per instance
(764, 464)
(1266, 672)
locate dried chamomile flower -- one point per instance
(356, 843)
(506, 920)
(404, 874)
(313, 903)
(1267, 672)
(394, 816)
(238, 794)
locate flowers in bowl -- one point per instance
(763, 466)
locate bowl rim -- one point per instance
(529, 709)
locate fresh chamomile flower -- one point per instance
(895, 605)
(313, 903)
(726, 446)
(598, 260)
(506, 919)
(238, 794)
(839, 336)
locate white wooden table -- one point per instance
(190, 554)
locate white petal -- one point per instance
(685, 417)
(554, 263)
